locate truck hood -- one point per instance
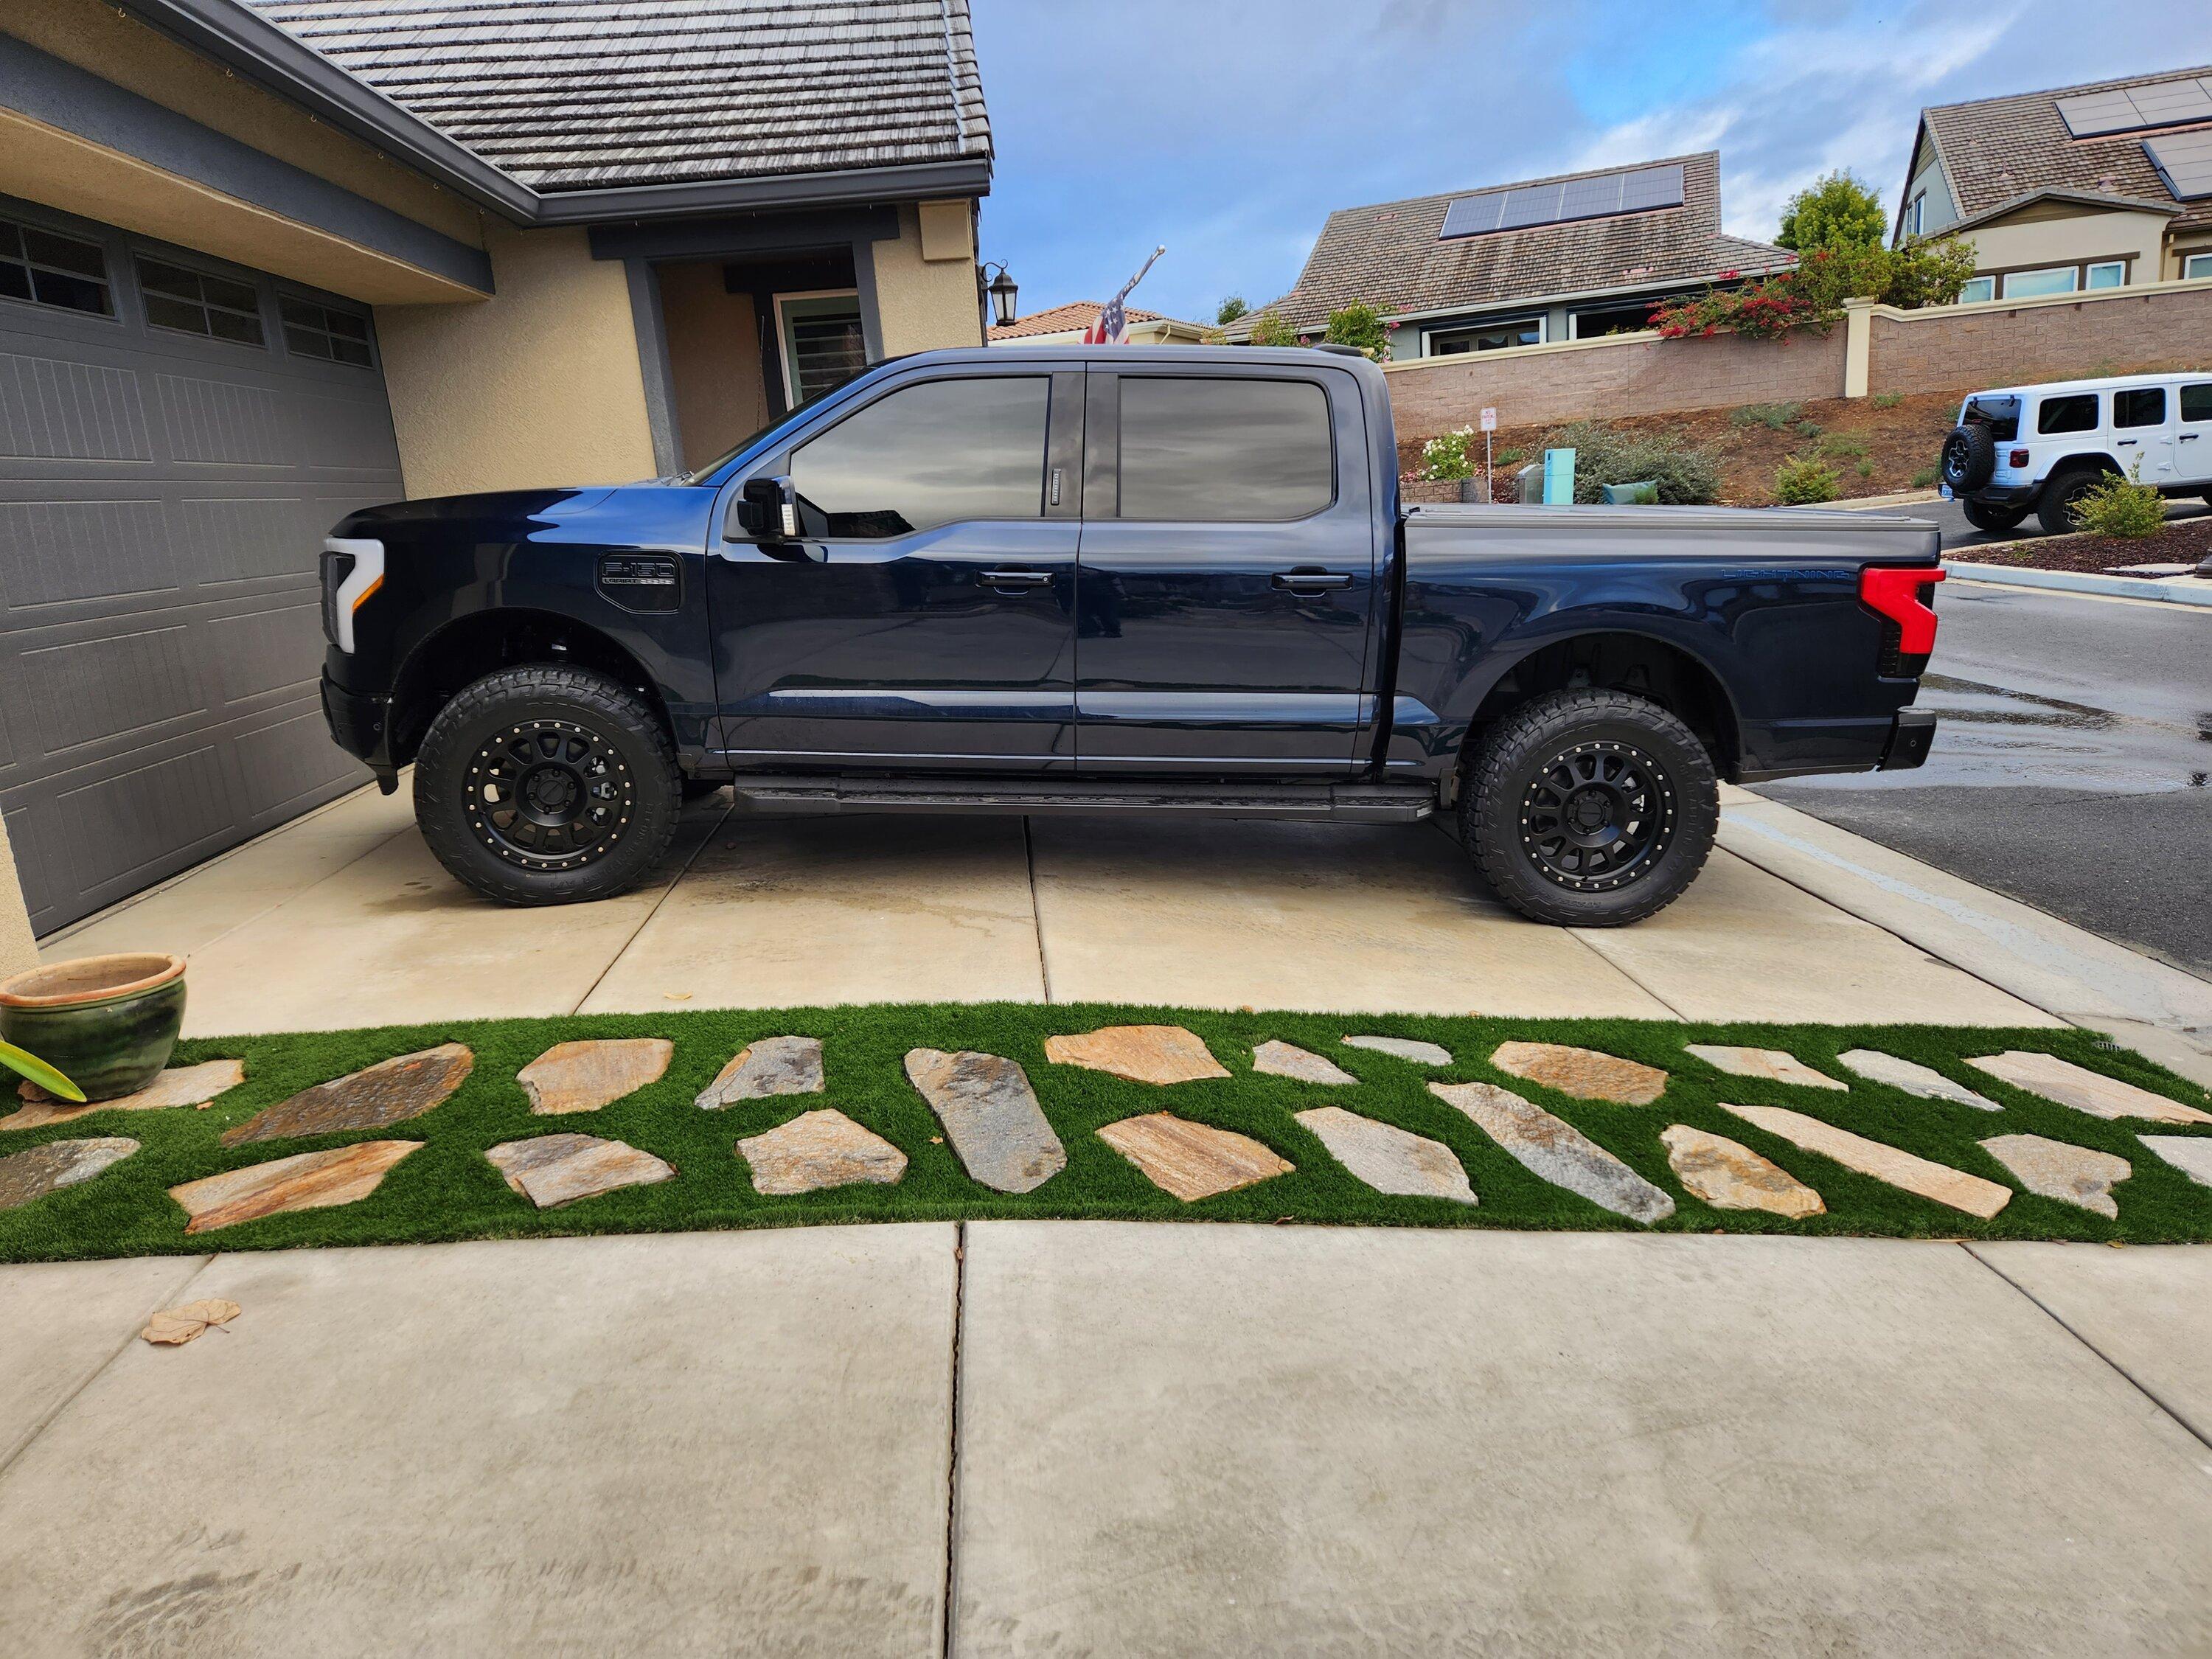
(510, 507)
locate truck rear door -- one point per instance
(1226, 576)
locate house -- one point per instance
(1064, 324)
(263, 262)
(1567, 258)
(2103, 186)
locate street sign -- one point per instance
(1489, 420)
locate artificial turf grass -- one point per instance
(447, 1190)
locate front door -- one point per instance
(1227, 589)
(924, 621)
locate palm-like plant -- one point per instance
(23, 1063)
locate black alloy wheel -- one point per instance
(1596, 814)
(550, 794)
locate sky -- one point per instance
(1227, 131)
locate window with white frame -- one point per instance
(2108, 273)
(1977, 289)
(2197, 265)
(2052, 279)
(1915, 214)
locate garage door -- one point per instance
(177, 435)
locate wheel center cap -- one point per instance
(1587, 811)
(550, 790)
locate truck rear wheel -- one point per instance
(543, 785)
(1589, 808)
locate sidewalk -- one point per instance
(1111, 1439)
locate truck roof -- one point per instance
(2095, 383)
(1122, 355)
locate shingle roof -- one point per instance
(1997, 150)
(1388, 255)
(572, 94)
(1077, 313)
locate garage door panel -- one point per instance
(163, 499)
(54, 409)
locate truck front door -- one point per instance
(1226, 589)
(923, 619)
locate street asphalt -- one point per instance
(2072, 767)
(1957, 533)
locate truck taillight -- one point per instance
(1895, 593)
(2018, 458)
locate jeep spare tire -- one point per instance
(1970, 456)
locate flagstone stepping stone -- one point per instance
(1421, 1054)
(1770, 1064)
(1142, 1054)
(1554, 1148)
(1192, 1160)
(582, 1077)
(1728, 1176)
(306, 1180)
(2083, 1090)
(991, 1115)
(550, 1170)
(818, 1150)
(1387, 1158)
(2056, 1169)
(59, 1164)
(1937, 1181)
(1915, 1080)
(2190, 1154)
(1582, 1072)
(180, 1085)
(1288, 1059)
(772, 1066)
(389, 1092)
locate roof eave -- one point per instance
(2060, 193)
(970, 176)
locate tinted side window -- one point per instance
(927, 455)
(2141, 406)
(2197, 401)
(1225, 450)
(2076, 412)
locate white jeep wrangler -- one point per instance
(2040, 448)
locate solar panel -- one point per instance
(2184, 162)
(1525, 206)
(2131, 109)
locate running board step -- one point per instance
(1344, 803)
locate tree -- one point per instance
(1270, 330)
(1231, 309)
(1360, 326)
(1834, 211)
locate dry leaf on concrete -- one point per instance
(175, 1325)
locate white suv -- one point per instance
(2040, 448)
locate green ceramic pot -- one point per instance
(107, 1024)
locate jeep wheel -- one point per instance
(2055, 510)
(1969, 456)
(1983, 516)
(1589, 808)
(546, 785)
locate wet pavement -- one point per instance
(2072, 768)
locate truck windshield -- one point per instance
(2001, 414)
(778, 424)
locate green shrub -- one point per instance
(1360, 326)
(1801, 481)
(1924, 479)
(1452, 454)
(1865, 469)
(1231, 308)
(1886, 399)
(1776, 416)
(1842, 446)
(1270, 330)
(2123, 507)
(1835, 211)
(1684, 475)
(1810, 429)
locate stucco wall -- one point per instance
(925, 304)
(17, 953)
(714, 358)
(538, 385)
(98, 39)
(2053, 235)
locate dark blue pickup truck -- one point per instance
(1061, 578)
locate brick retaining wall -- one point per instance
(1947, 350)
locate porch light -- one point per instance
(1002, 290)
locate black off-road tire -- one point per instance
(1573, 730)
(2054, 509)
(1996, 519)
(1968, 457)
(631, 746)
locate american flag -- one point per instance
(1112, 326)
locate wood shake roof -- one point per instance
(572, 95)
(1998, 150)
(1389, 254)
(1077, 313)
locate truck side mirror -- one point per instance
(766, 510)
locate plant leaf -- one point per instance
(175, 1326)
(30, 1066)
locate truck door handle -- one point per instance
(2125, 442)
(1310, 581)
(2188, 437)
(1017, 578)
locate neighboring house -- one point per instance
(1568, 258)
(262, 263)
(1064, 324)
(2103, 186)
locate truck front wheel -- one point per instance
(544, 785)
(1589, 808)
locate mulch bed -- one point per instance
(2184, 541)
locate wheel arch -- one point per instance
(465, 649)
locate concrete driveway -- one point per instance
(342, 919)
(1106, 1438)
